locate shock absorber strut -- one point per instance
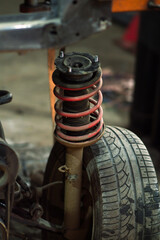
(79, 121)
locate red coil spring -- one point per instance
(96, 110)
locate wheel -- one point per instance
(123, 187)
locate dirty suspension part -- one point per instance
(79, 122)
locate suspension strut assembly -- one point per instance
(79, 121)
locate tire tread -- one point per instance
(121, 158)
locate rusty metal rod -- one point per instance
(73, 183)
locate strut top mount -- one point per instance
(76, 70)
(77, 63)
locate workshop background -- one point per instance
(27, 119)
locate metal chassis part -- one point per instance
(38, 223)
(67, 22)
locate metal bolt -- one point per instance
(96, 58)
(61, 55)
(38, 214)
(36, 211)
(69, 69)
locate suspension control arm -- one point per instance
(38, 223)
